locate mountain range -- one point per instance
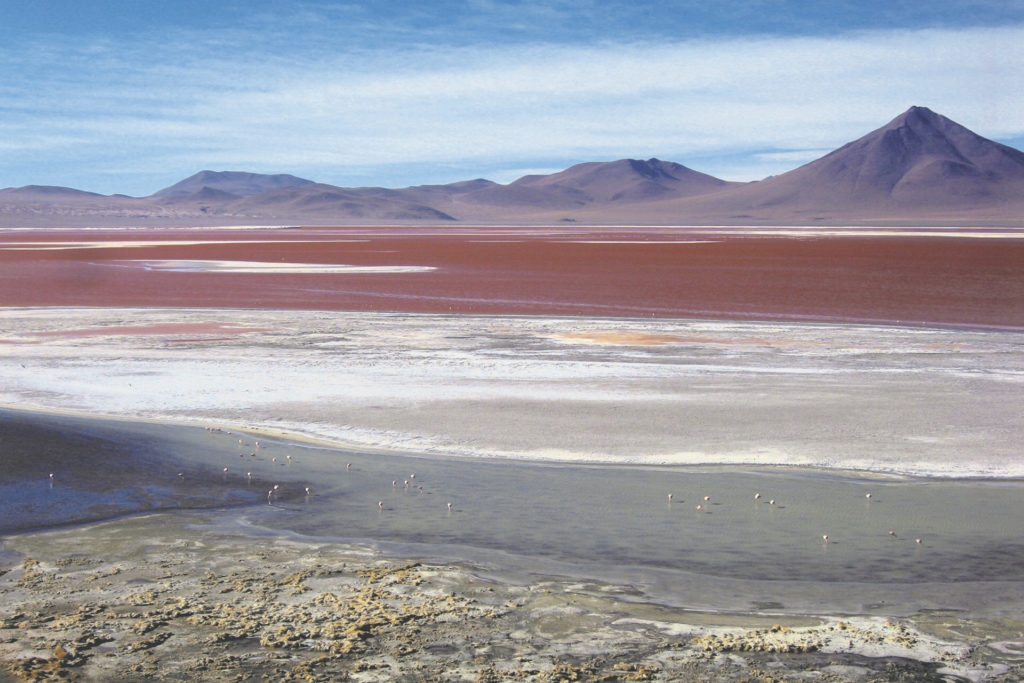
(920, 168)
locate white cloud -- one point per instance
(772, 99)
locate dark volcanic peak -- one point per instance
(237, 183)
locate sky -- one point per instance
(130, 96)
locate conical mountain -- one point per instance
(919, 158)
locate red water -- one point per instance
(909, 278)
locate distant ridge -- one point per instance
(238, 183)
(627, 180)
(38, 192)
(920, 167)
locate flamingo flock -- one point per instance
(410, 483)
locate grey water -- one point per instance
(954, 544)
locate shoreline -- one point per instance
(755, 318)
(312, 439)
(145, 604)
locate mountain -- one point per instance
(43, 193)
(325, 202)
(625, 180)
(581, 186)
(919, 165)
(919, 168)
(236, 183)
(918, 159)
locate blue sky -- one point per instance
(131, 96)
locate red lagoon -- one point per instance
(912, 277)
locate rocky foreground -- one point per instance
(162, 597)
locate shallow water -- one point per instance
(613, 524)
(622, 516)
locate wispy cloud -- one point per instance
(744, 107)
